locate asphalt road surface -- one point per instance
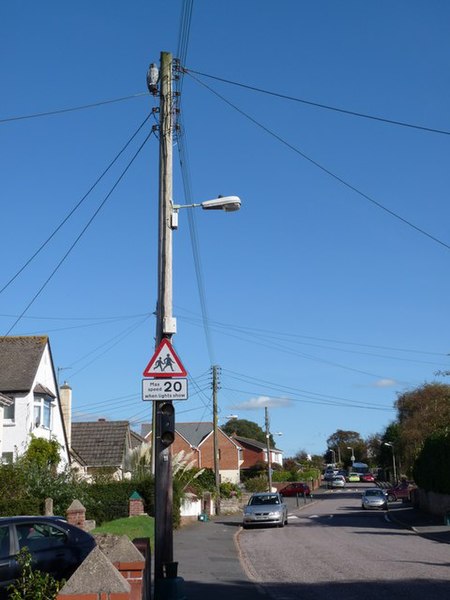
(334, 549)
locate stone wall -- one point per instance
(431, 502)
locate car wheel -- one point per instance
(391, 498)
(363, 507)
(244, 526)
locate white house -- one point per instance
(29, 396)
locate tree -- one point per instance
(43, 453)
(341, 440)
(248, 429)
(422, 412)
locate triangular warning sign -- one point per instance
(165, 362)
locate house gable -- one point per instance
(27, 376)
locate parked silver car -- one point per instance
(265, 508)
(338, 481)
(374, 498)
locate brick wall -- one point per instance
(229, 458)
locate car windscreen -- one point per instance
(269, 499)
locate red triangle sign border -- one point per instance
(171, 360)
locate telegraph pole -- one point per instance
(269, 462)
(215, 386)
(165, 328)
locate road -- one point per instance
(334, 549)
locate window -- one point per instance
(43, 411)
(4, 542)
(7, 458)
(40, 536)
(8, 412)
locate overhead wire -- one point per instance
(75, 208)
(320, 105)
(322, 167)
(59, 111)
(185, 25)
(291, 339)
(77, 239)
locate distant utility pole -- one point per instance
(269, 462)
(215, 385)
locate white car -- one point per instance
(265, 508)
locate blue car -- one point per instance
(56, 547)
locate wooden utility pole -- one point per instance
(164, 324)
(215, 386)
(269, 462)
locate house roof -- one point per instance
(193, 433)
(19, 361)
(136, 439)
(254, 443)
(101, 443)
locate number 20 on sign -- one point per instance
(164, 389)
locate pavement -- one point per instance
(424, 524)
(209, 561)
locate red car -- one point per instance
(400, 492)
(367, 477)
(292, 489)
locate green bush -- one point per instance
(257, 484)
(110, 500)
(430, 470)
(229, 490)
(33, 584)
(283, 476)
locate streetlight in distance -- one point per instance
(391, 445)
(333, 454)
(352, 458)
(269, 454)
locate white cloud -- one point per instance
(262, 401)
(382, 383)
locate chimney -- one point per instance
(65, 395)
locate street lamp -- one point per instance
(269, 459)
(352, 458)
(391, 445)
(334, 455)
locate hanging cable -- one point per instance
(324, 169)
(79, 236)
(67, 217)
(71, 109)
(318, 105)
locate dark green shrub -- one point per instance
(430, 470)
(229, 490)
(257, 484)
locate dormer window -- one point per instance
(43, 411)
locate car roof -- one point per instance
(26, 518)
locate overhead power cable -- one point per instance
(67, 217)
(83, 231)
(323, 168)
(72, 108)
(320, 105)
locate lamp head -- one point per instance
(227, 203)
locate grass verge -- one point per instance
(133, 527)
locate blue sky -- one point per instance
(326, 295)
